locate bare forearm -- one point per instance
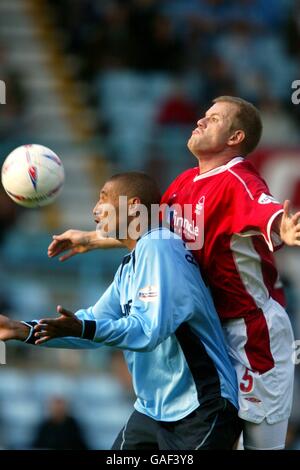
(13, 329)
(21, 331)
(94, 242)
(73, 242)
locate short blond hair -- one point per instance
(247, 118)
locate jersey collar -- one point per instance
(219, 169)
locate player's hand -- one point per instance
(72, 242)
(12, 329)
(290, 226)
(67, 324)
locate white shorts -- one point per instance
(262, 353)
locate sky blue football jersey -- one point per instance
(160, 313)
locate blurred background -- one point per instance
(113, 85)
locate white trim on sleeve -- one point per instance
(269, 241)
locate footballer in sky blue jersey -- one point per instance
(160, 313)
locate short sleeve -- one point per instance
(254, 209)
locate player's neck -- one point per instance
(129, 243)
(208, 164)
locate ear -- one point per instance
(132, 209)
(133, 205)
(236, 138)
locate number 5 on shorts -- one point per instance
(246, 384)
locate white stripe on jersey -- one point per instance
(248, 264)
(243, 183)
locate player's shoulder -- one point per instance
(194, 171)
(158, 240)
(189, 174)
(180, 182)
(244, 176)
(243, 167)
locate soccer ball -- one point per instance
(32, 175)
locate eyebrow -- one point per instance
(213, 114)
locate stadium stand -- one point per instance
(101, 84)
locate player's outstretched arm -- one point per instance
(12, 329)
(73, 242)
(290, 226)
(151, 318)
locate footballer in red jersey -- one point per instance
(240, 230)
(236, 259)
(225, 212)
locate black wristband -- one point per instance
(30, 338)
(88, 329)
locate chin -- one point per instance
(190, 144)
(192, 148)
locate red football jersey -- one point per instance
(230, 214)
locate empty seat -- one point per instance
(13, 384)
(51, 384)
